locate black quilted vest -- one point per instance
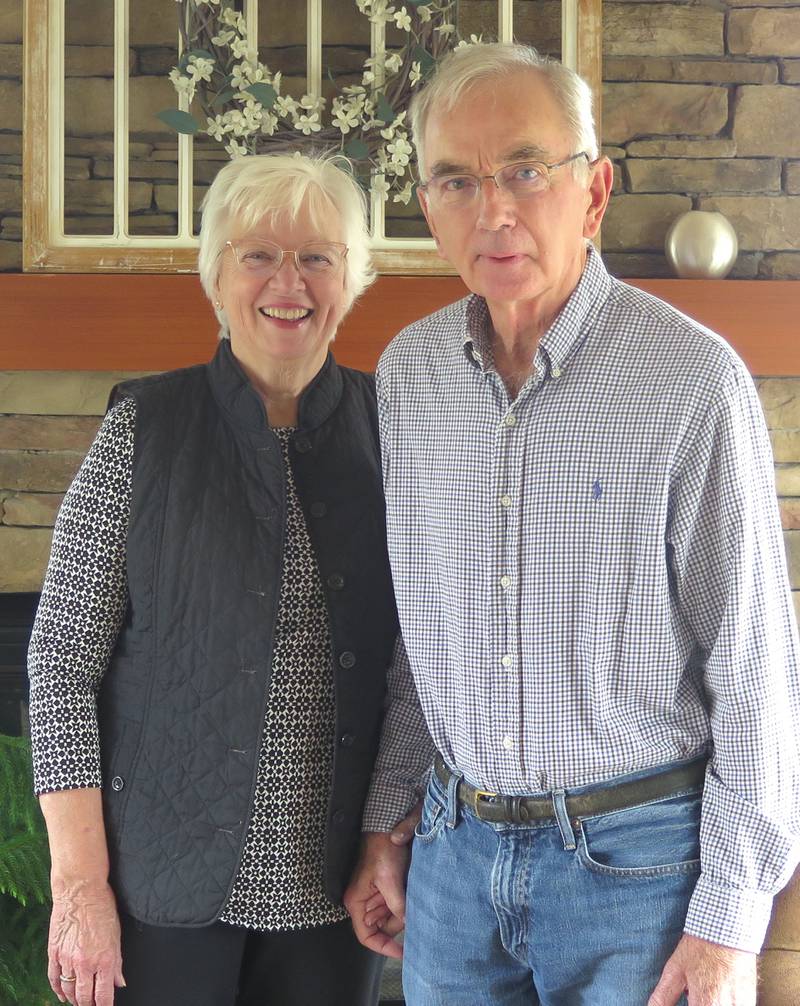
(182, 705)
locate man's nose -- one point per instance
(496, 207)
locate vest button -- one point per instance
(339, 816)
(318, 509)
(347, 740)
(117, 783)
(347, 659)
(336, 581)
(302, 445)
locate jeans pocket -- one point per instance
(433, 814)
(651, 840)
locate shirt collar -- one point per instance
(566, 333)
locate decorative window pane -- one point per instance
(109, 186)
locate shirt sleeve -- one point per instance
(83, 602)
(406, 751)
(731, 587)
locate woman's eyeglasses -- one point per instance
(264, 258)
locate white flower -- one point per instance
(285, 106)
(236, 149)
(269, 123)
(473, 40)
(368, 77)
(216, 127)
(400, 150)
(446, 29)
(416, 74)
(353, 89)
(240, 48)
(223, 38)
(183, 85)
(424, 14)
(379, 186)
(308, 123)
(393, 62)
(404, 195)
(403, 19)
(345, 116)
(200, 68)
(236, 122)
(312, 102)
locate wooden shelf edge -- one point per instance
(156, 322)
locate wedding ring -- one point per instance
(66, 978)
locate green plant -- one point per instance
(24, 882)
(237, 99)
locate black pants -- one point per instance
(222, 965)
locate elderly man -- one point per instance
(592, 593)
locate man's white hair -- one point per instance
(462, 68)
(278, 187)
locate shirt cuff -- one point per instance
(729, 916)
(64, 738)
(388, 802)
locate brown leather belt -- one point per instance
(498, 808)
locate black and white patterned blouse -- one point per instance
(280, 880)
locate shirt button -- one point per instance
(347, 740)
(338, 817)
(510, 420)
(507, 660)
(336, 581)
(556, 372)
(117, 783)
(318, 509)
(508, 744)
(505, 581)
(505, 500)
(347, 659)
(302, 445)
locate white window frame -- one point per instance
(46, 248)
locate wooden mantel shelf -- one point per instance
(156, 322)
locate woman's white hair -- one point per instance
(462, 68)
(279, 187)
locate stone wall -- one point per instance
(701, 110)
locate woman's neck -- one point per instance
(280, 385)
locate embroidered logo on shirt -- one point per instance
(597, 489)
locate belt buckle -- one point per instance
(480, 796)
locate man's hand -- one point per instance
(376, 896)
(712, 975)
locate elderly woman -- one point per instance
(207, 664)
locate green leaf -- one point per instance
(221, 97)
(384, 110)
(264, 93)
(424, 58)
(180, 121)
(356, 149)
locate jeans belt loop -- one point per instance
(452, 799)
(562, 817)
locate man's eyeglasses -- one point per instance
(264, 258)
(523, 180)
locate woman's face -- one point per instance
(289, 317)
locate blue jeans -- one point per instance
(556, 913)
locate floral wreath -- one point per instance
(367, 122)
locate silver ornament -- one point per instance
(701, 245)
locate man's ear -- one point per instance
(599, 192)
(425, 205)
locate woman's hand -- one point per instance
(84, 944)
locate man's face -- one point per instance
(510, 251)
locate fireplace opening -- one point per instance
(17, 612)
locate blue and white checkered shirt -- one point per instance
(591, 578)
